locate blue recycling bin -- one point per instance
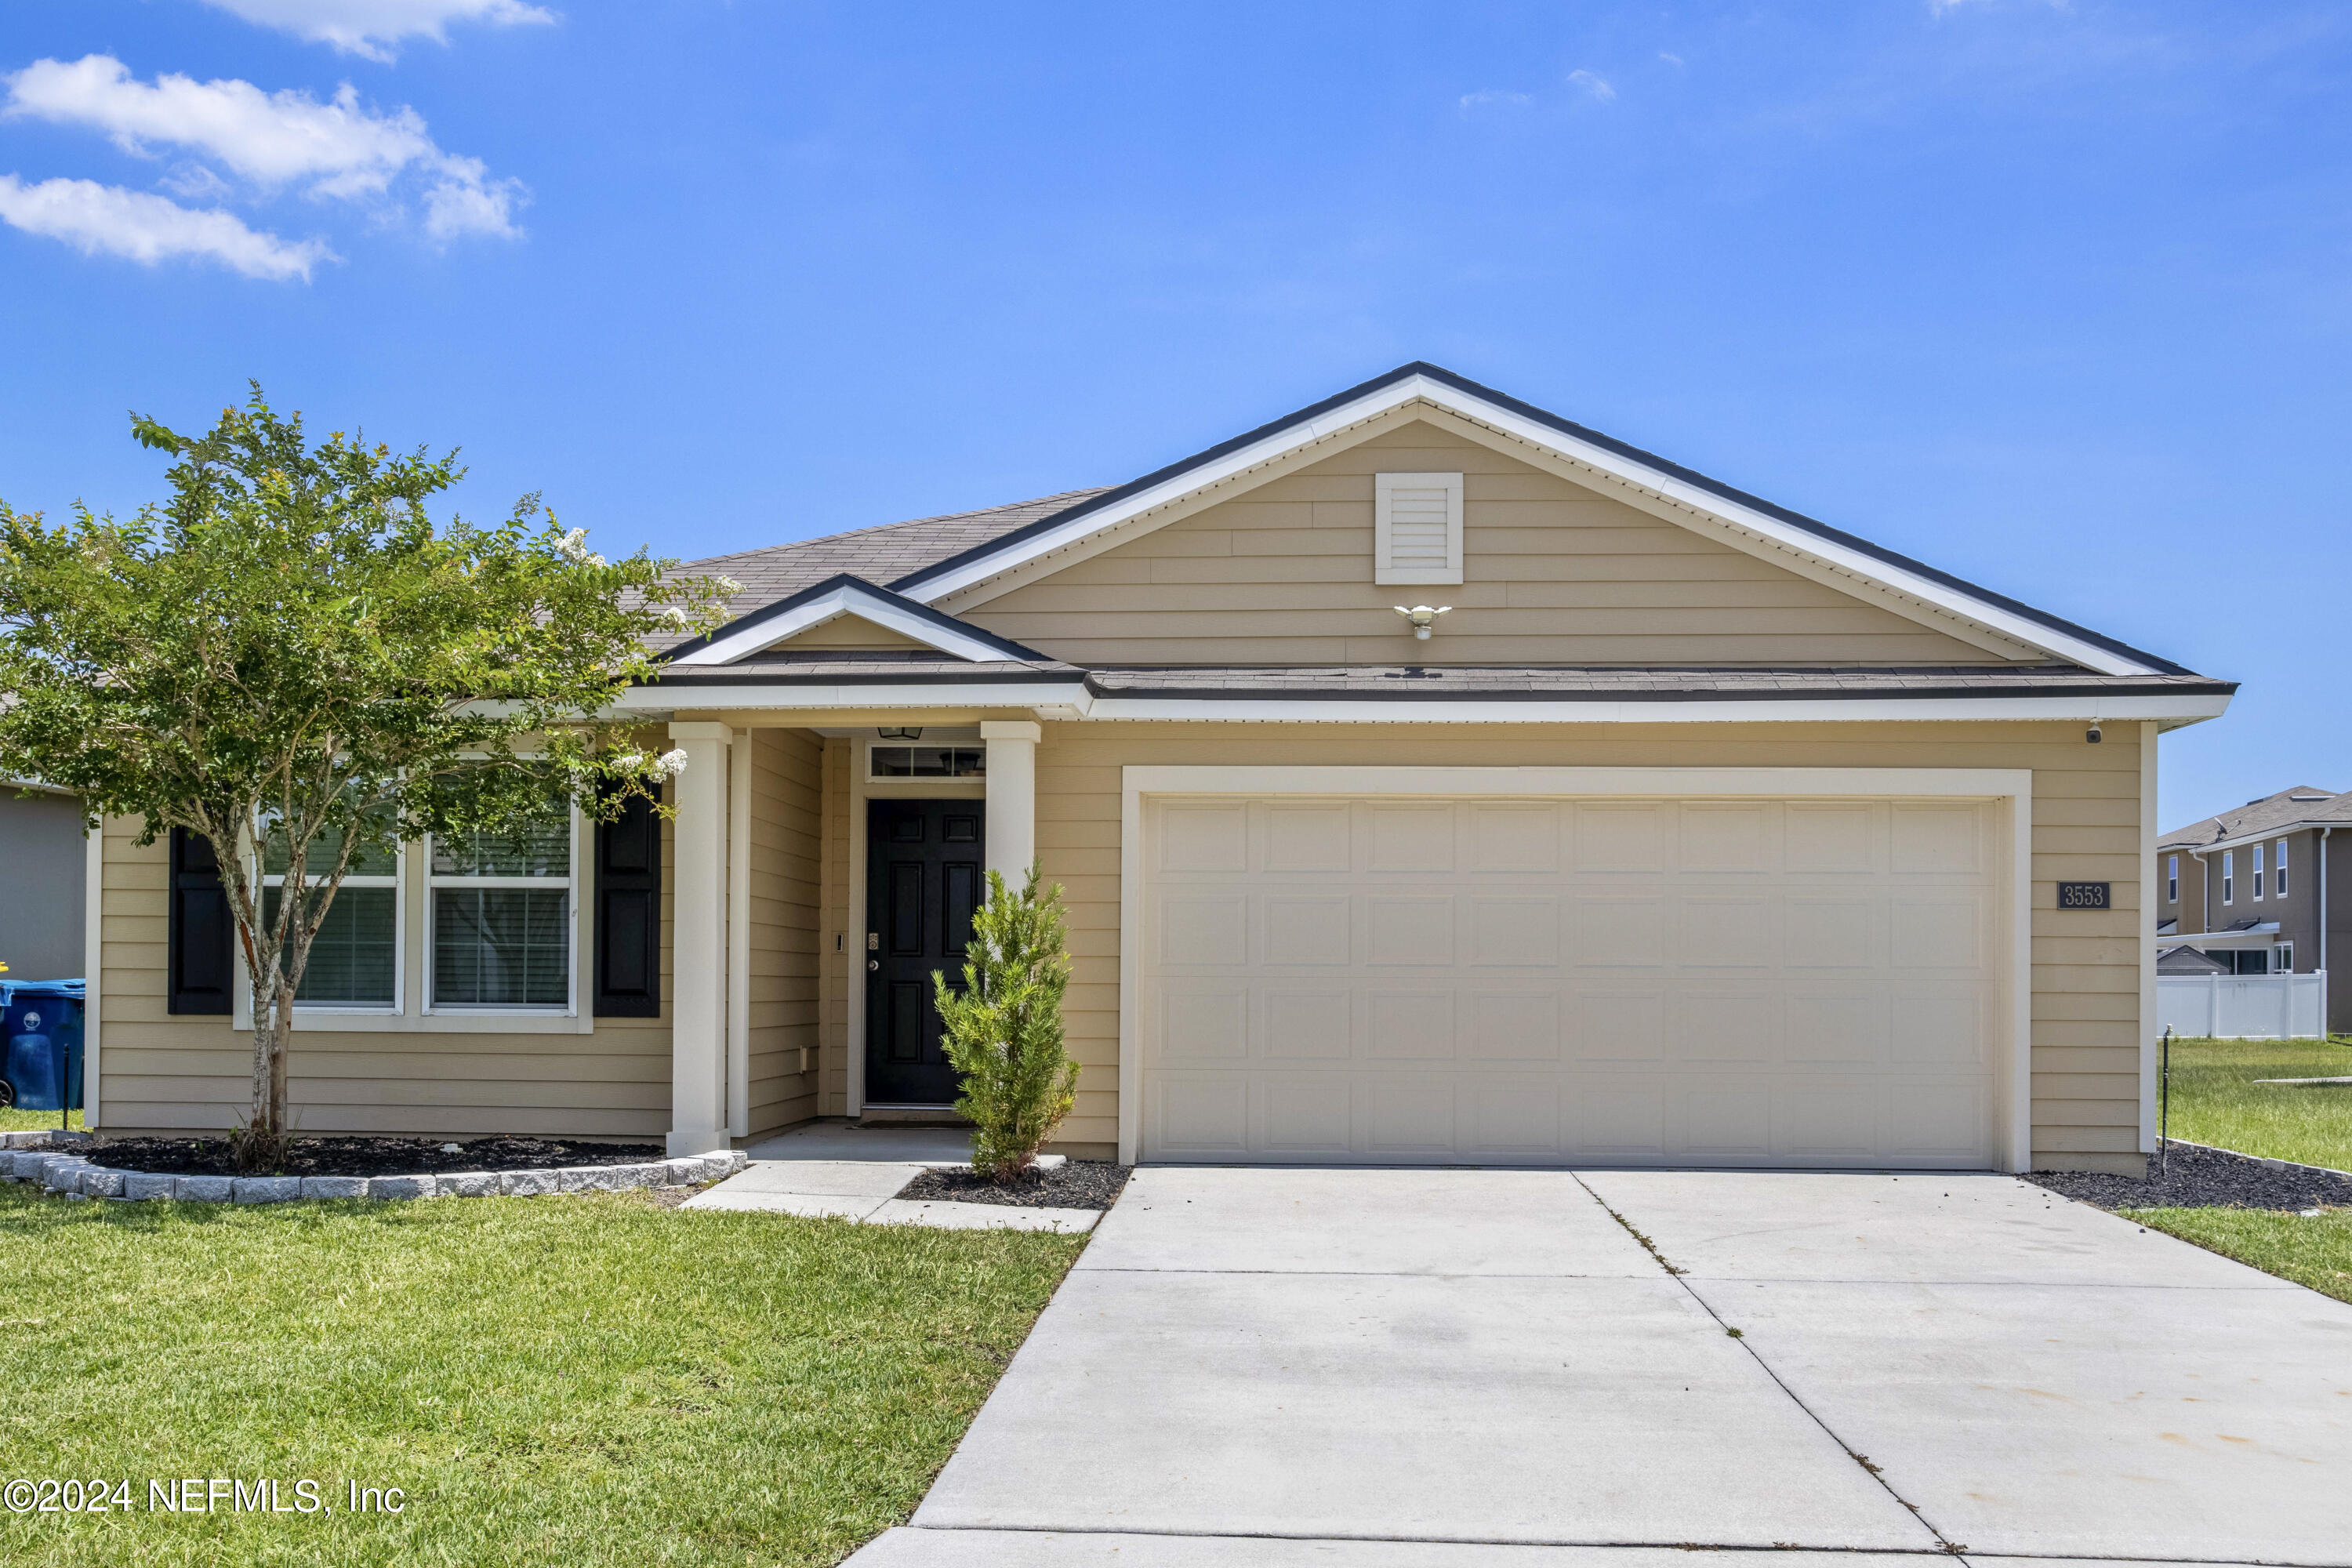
(41, 1022)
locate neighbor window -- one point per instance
(2172, 878)
(2228, 876)
(1416, 528)
(926, 762)
(2278, 869)
(2256, 855)
(501, 921)
(354, 959)
(2282, 958)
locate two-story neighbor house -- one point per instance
(2261, 891)
(1432, 780)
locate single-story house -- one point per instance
(1432, 780)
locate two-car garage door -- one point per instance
(1735, 981)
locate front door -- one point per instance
(922, 882)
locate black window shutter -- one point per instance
(201, 974)
(628, 914)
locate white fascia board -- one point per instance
(1418, 388)
(2244, 839)
(1818, 711)
(1069, 695)
(2265, 935)
(846, 600)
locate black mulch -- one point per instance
(369, 1156)
(2202, 1179)
(1079, 1184)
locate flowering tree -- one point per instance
(288, 659)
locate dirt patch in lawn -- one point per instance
(369, 1156)
(2201, 1179)
(1079, 1184)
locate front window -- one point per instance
(354, 961)
(501, 919)
(2228, 876)
(2257, 854)
(2172, 878)
(2278, 868)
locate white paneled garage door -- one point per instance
(1732, 982)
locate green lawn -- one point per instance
(2216, 1101)
(36, 1121)
(572, 1381)
(2314, 1252)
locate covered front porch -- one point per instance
(800, 939)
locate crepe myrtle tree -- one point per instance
(288, 658)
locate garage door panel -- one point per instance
(1306, 1024)
(1514, 1026)
(1739, 982)
(1317, 930)
(1404, 929)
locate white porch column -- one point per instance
(698, 1115)
(1012, 798)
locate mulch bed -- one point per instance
(1079, 1184)
(2202, 1179)
(369, 1156)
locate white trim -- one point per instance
(1072, 701)
(854, 1104)
(571, 886)
(1385, 571)
(2149, 1034)
(93, 967)
(1600, 461)
(2013, 1075)
(849, 599)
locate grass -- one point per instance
(576, 1381)
(2216, 1101)
(2314, 1252)
(37, 1121)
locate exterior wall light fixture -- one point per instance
(1422, 618)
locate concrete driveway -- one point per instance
(1466, 1368)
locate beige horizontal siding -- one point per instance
(786, 893)
(2085, 976)
(1553, 572)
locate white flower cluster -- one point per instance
(669, 764)
(676, 616)
(673, 763)
(573, 548)
(729, 586)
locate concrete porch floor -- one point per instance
(838, 1169)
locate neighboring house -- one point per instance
(44, 866)
(1693, 831)
(2261, 890)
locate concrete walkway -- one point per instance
(1478, 1369)
(854, 1173)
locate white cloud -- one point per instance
(1670, 60)
(1493, 98)
(375, 27)
(1595, 86)
(107, 220)
(271, 140)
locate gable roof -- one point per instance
(2289, 808)
(1074, 524)
(834, 596)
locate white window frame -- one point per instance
(2278, 869)
(957, 742)
(2172, 878)
(1384, 487)
(398, 882)
(570, 884)
(2229, 875)
(2255, 869)
(2282, 958)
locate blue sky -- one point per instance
(2054, 296)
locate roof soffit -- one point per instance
(967, 582)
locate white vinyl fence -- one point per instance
(2243, 1006)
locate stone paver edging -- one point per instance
(76, 1176)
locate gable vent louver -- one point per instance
(1417, 527)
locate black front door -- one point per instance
(922, 882)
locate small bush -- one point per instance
(1004, 1027)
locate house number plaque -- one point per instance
(2083, 895)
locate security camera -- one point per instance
(2092, 734)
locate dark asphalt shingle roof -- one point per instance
(2288, 807)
